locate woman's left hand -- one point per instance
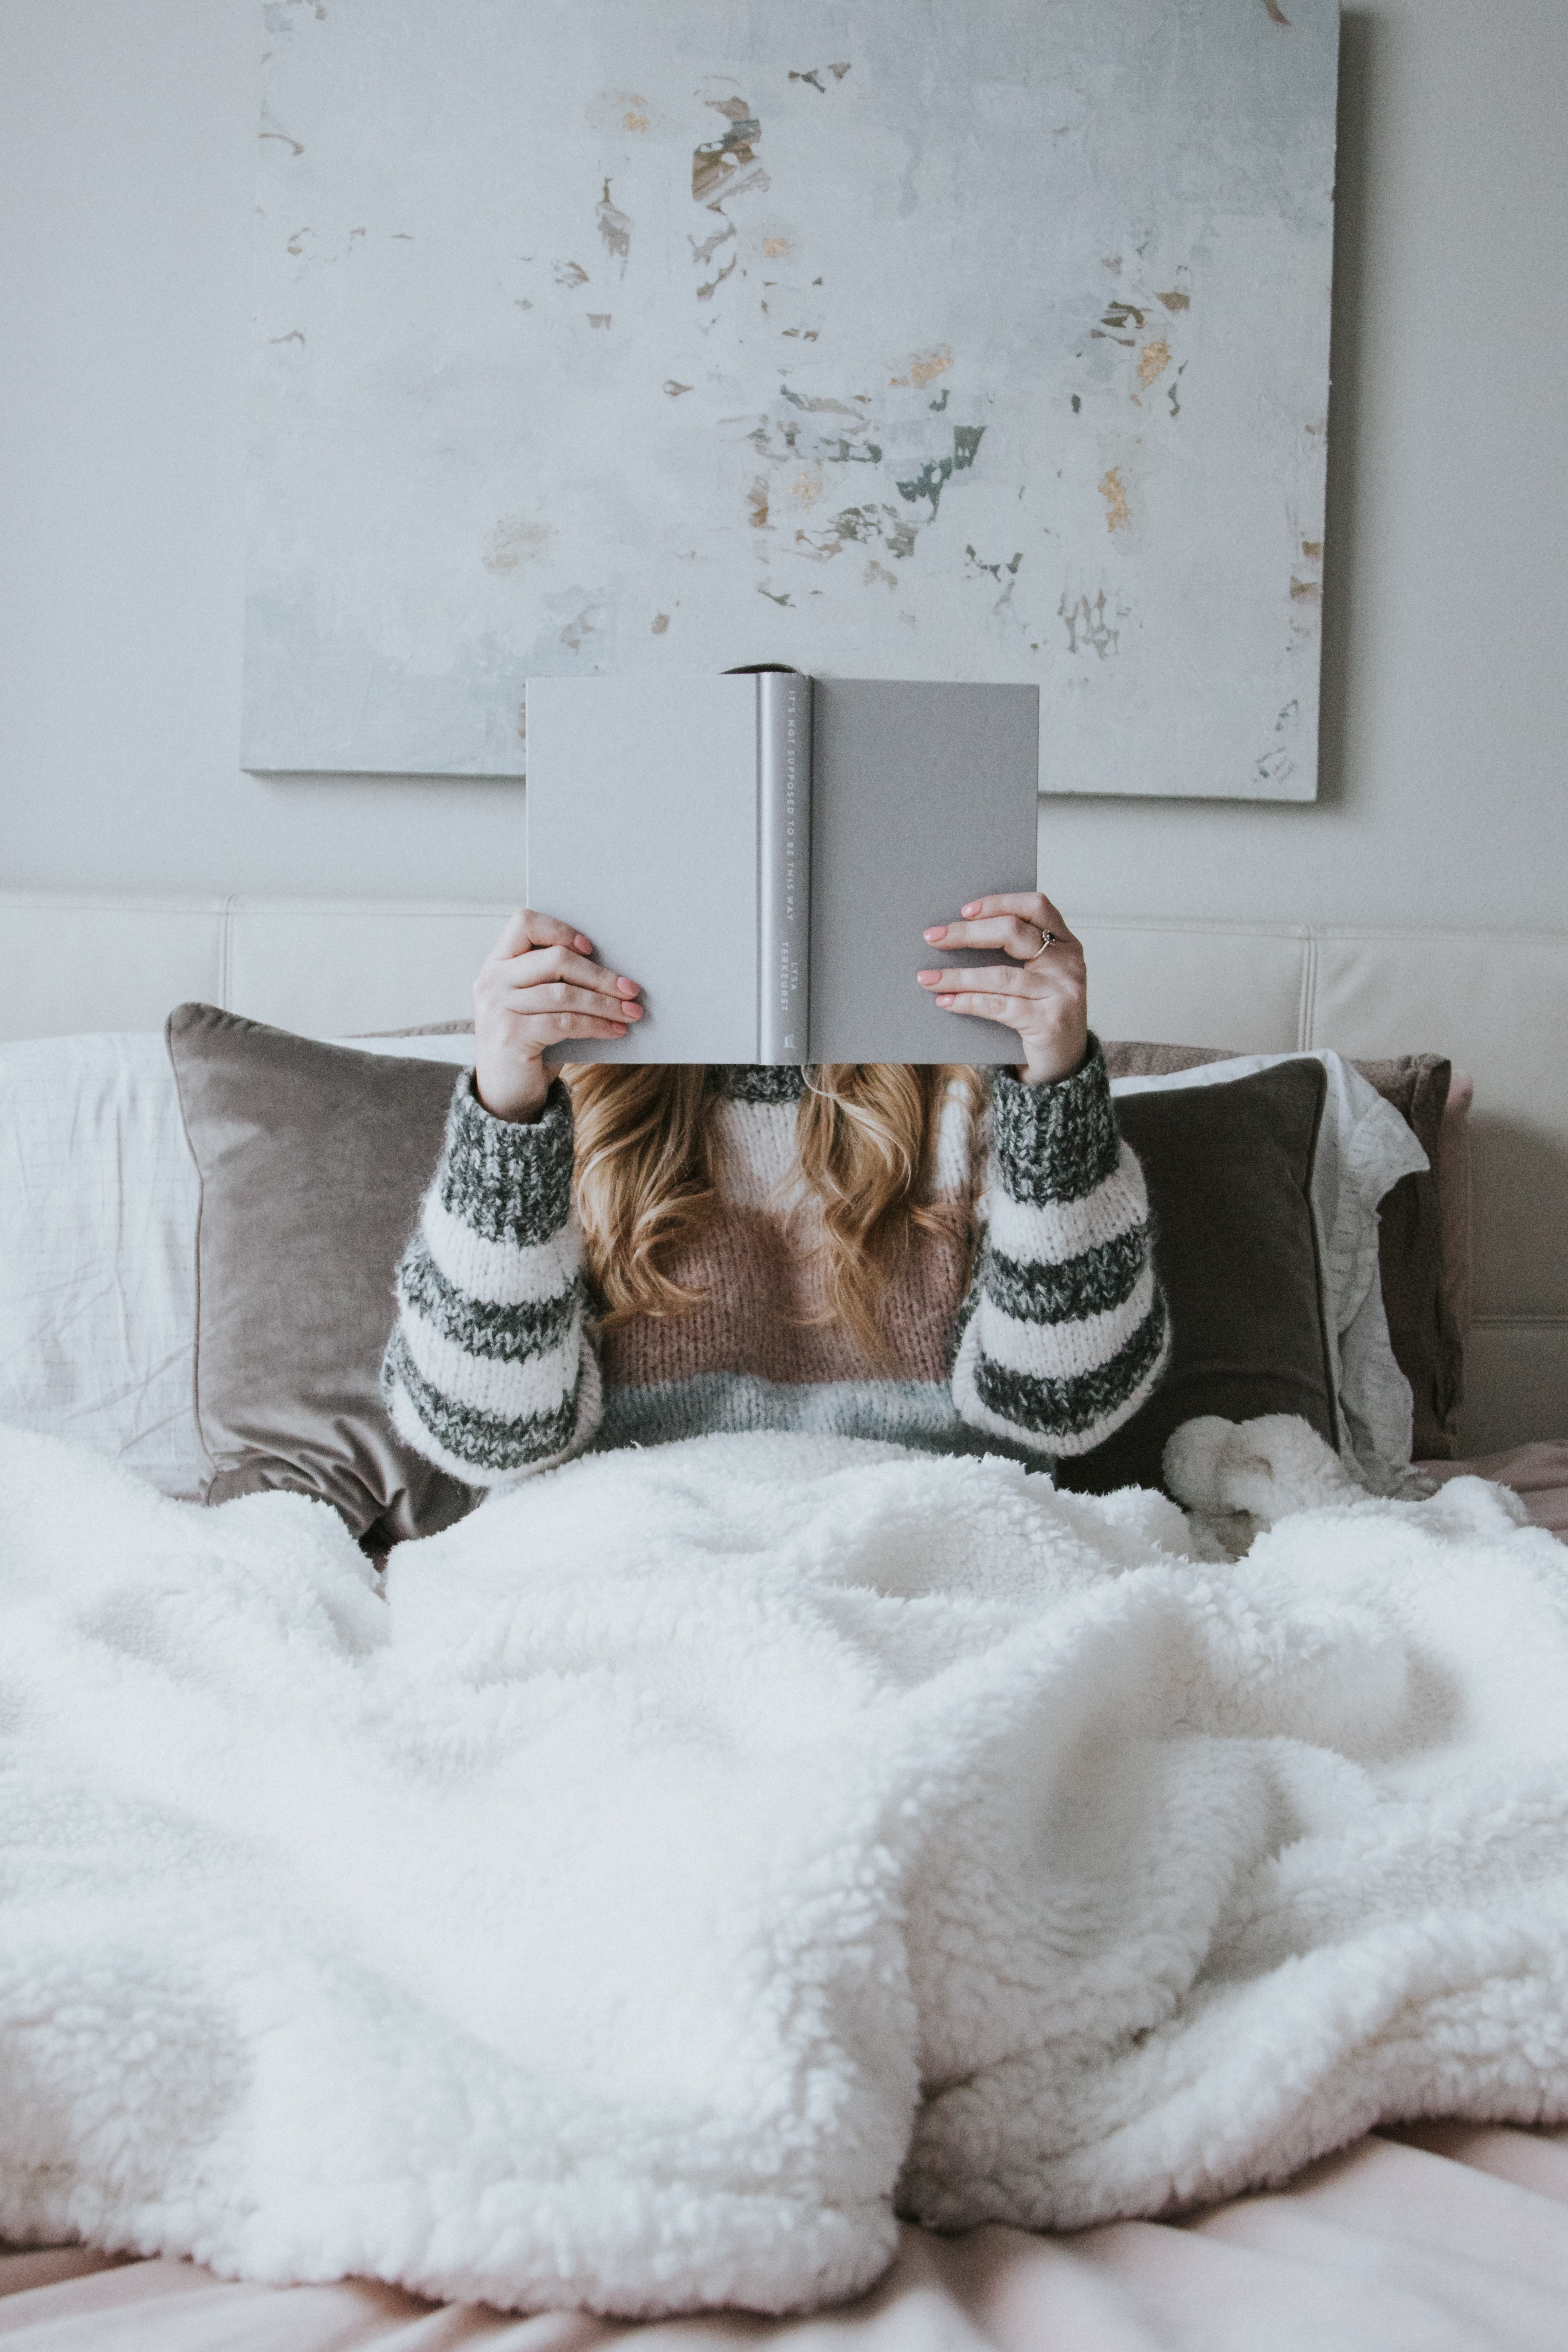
(1043, 995)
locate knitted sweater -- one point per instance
(1049, 1344)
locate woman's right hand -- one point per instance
(535, 987)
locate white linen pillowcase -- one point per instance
(98, 1201)
(1365, 1148)
(99, 1198)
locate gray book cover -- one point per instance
(762, 853)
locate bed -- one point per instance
(1432, 2234)
(1443, 2240)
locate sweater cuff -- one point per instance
(506, 1180)
(1056, 1141)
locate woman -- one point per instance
(633, 1253)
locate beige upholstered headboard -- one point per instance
(1496, 1001)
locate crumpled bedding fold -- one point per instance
(699, 1855)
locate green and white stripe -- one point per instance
(1064, 1332)
(490, 1373)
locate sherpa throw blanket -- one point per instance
(698, 1854)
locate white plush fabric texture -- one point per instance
(698, 1849)
(99, 1196)
(1364, 1147)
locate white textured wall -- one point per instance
(126, 158)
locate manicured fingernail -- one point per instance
(619, 1027)
(937, 931)
(584, 947)
(927, 978)
(634, 1012)
(944, 1002)
(973, 907)
(629, 987)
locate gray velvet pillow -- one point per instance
(313, 1160)
(1229, 1172)
(1419, 1285)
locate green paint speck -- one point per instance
(937, 472)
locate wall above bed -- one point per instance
(128, 165)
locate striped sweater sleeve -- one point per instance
(491, 1371)
(1064, 1330)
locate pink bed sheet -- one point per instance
(1432, 2237)
(1441, 2238)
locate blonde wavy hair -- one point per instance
(865, 1141)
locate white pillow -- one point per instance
(98, 1202)
(1364, 1147)
(99, 1199)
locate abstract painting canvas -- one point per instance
(943, 338)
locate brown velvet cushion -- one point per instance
(1229, 1172)
(313, 1160)
(1420, 1285)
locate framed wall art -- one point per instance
(944, 338)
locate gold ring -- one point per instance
(1047, 939)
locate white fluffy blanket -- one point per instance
(700, 1852)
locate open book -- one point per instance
(763, 853)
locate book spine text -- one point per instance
(784, 865)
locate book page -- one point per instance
(923, 797)
(642, 830)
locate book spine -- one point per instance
(784, 865)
